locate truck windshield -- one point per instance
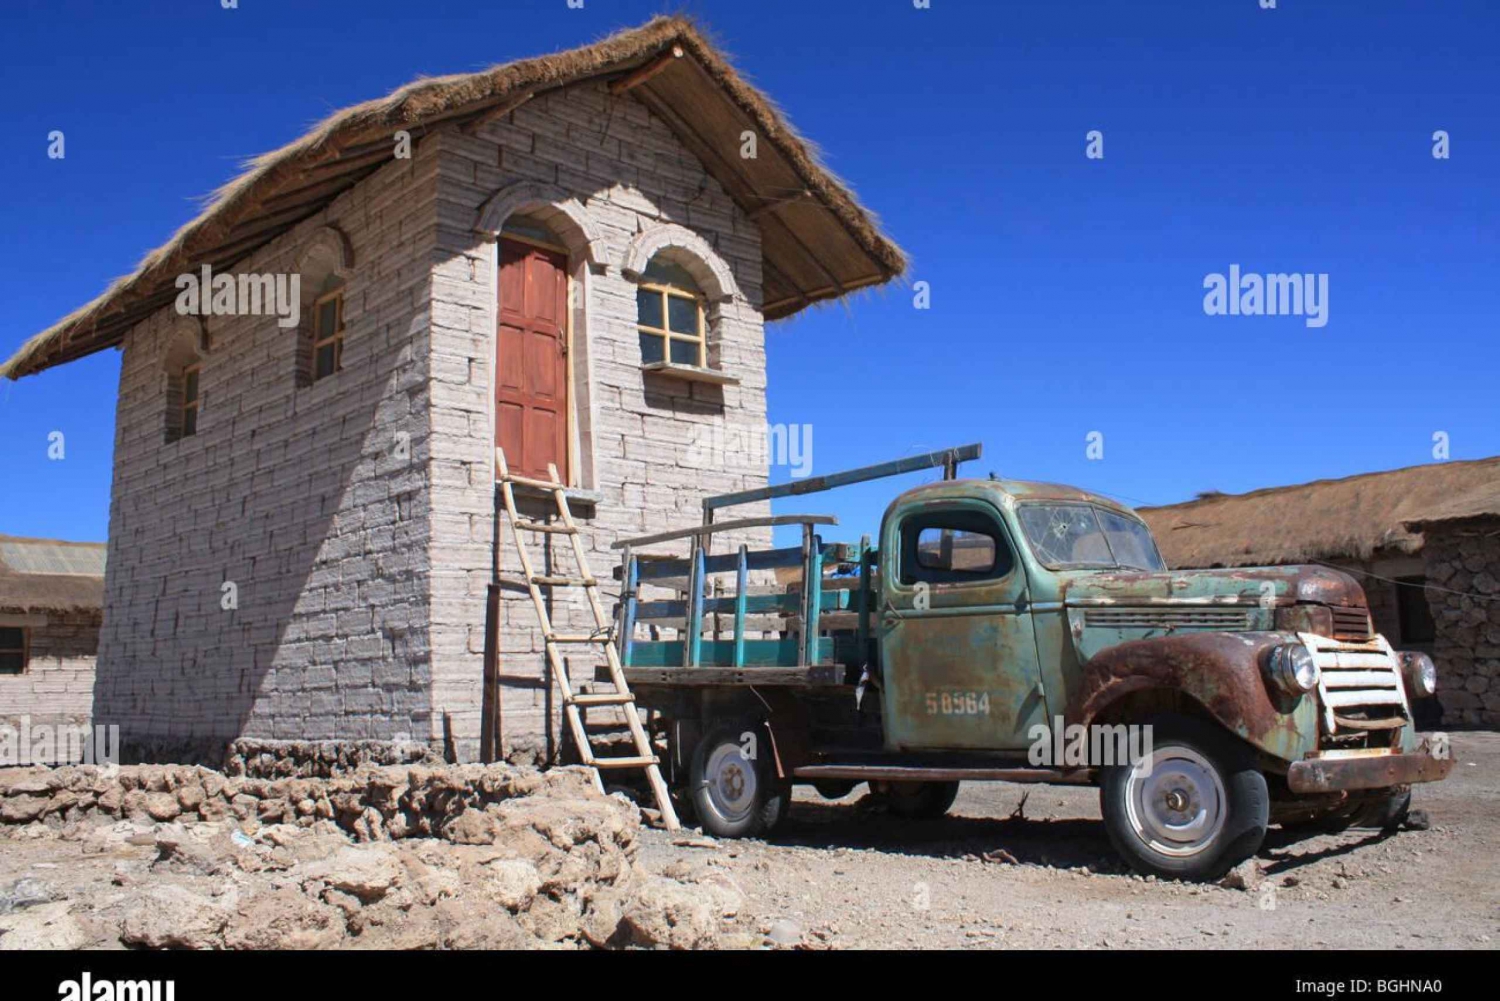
(1081, 535)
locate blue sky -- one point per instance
(1066, 293)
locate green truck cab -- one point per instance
(1005, 630)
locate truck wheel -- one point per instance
(834, 788)
(1386, 813)
(733, 785)
(920, 800)
(1194, 809)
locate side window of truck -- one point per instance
(953, 547)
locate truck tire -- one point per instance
(1200, 809)
(1386, 813)
(920, 800)
(733, 785)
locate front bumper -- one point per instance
(1374, 771)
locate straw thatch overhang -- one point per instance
(50, 575)
(1351, 518)
(1482, 502)
(818, 242)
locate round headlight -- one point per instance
(1293, 668)
(1421, 673)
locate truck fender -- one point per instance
(1222, 672)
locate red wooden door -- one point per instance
(531, 363)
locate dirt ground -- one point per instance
(840, 876)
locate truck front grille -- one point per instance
(1359, 685)
(1227, 619)
(1351, 624)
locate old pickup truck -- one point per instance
(1004, 630)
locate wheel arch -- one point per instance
(1211, 676)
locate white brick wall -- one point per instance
(295, 495)
(58, 683)
(361, 579)
(635, 431)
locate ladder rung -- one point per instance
(624, 762)
(577, 638)
(604, 699)
(565, 581)
(545, 527)
(524, 481)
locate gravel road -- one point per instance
(840, 875)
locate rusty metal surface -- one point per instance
(1257, 586)
(912, 773)
(1221, 671)
(1318, 775)
(959, 660)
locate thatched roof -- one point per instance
(818, 242)
(1350, 518)
(48, 575)
(1481, 502)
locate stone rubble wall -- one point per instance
(1464, 557)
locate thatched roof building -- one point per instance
(48, 575)
(1353, 518)
(818, 242)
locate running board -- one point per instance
(906, 773)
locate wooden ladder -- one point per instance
(601, 636)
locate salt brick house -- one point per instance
(572, 257)
(51, 602)
(1424, 542)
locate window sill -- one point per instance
(575, 495)
(690, 373)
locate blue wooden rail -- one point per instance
(693, 650)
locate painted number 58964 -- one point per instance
(958, 703)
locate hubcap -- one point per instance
(1175, 801)
(730, 777)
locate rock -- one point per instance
(472, 827)
(665, 914)
(284, 919)
(784, 932)
(24, 893)
(1417, 820)
(162, 806)
(23, 809)
(512, 883)
(173, 917)
(1245, 876)
(367, 872)
(48, 926)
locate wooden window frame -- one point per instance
(319, 341)
(24, 650)
(665, 332)
(190, 406)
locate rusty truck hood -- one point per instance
(1241, 585)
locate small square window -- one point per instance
(328, 336)
(13, 650)
(653, 348)
(682, 315)
(648, 308)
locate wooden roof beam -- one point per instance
(635, 79)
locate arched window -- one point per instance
(670, 315)
(324, 266)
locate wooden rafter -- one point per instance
(646, 72)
